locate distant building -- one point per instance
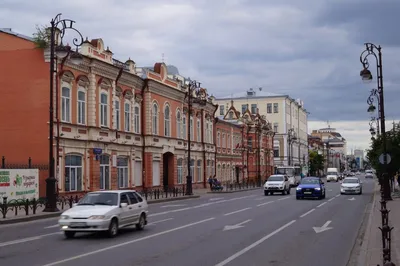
(359, 156)
(284, 113)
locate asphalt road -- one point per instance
(271, 230)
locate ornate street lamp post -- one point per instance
(366, 76)
(57, 31)
(197, 95)
(291, 138)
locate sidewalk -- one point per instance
(22, 217)
(370, 253)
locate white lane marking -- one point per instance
(352, 198)
(160, 221)
(235, 226)
(173, 206)
(13, 242)
(199, 206)
(128, 242)
(331, 199)
(260, 198)
(330, 190)
(338, 195)
(265, 203)
(323, 228)
(284, 198)
(322, 204)
(242, 210)
(255, 244)
(51, 226)
(214, 199)
(307, 213)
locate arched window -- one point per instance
(155, 119)
(136, 120)
(198, 130)
(218, 139)
(73, 173)
(180, 171)
(167, 121)
(178, 124)
(192, 169)
(117, 110)
(184, 127)
(127, 117)
(123, 172)
(65, 104)
(103, 110)
(191, 128)
(81, 107)
(199, 175)
(104, 171)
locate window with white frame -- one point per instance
(117, 115)
(180, 171)
(207, 132)
(154, 119)
(156, 173)
(73, 173)
(199, 175)
(103, 110)
(198, 129)
(211, 132)
(167, 121)
(192, 169)
(218, 139)
(127, 117)
(229, 141)
(184, 127)
(66, 104)
(138, 173)
(178, 125)
(223, 141)
(122, 172)
(81, 107)
(136, 120)
(191, 129)
(104, 171)
(208, 169)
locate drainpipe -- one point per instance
(142, 132)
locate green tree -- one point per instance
(392, 147)
(41, 37)
(316, 162)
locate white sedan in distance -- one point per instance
(105, 211)
(351, 185)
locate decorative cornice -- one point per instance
(138, 98)
(166, 91)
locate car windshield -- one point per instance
(110, 199)
(275, 178)
(309, 181)
(332, 173)
(351, 181)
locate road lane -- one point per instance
(203, 244)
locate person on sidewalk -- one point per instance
(210, 181)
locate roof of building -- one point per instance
(254, 94)
(11, 32)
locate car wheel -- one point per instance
(298, 198)
(69, 234)
(113, 228)
(360, 192)
(265, 193)
(283, 192)
(142, 222)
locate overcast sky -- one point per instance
(308, 49)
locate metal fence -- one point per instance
(28, 165)
(234, 186)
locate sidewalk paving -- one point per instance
(370, 253)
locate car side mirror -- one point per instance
(123, 205)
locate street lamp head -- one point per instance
(62, 51)
(372, 131)
(366, 75)
(371, 108)
(76, 58)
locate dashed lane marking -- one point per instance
(307, 213)
(242, 210)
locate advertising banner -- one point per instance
(19, 184)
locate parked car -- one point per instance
(351, 185)
(277, 183)
(105, 211)
(311, 187)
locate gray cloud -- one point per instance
(309, 49)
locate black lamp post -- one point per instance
(291, 138)
(386, 194)
(194, 95)
(57, 32)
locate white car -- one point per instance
(277, 183)
(351, 185)
(105, 211)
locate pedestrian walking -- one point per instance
(210, 181)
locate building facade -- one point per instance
(359, 156)
(284, 114)
(116, 125)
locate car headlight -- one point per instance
(64, 217)
(97, 217)
(317, 188)
(298, 188)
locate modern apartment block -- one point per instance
(287, 116)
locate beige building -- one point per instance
(284, 113)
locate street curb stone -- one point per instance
(231, 191)
(358, 254)
(35, 217)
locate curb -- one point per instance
(231, 191)
(358, 254)
(56, 214)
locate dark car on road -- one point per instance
(310, 187)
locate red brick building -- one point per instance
(115, 127)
